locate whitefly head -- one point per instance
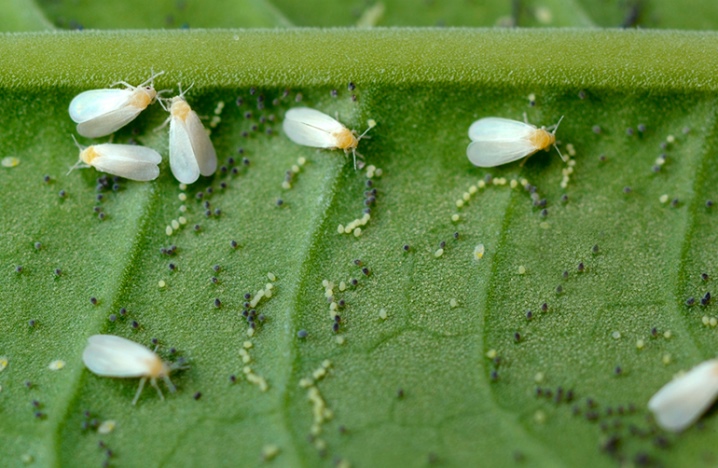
(545, 137)
(87, 155)
(177, 106)
(145, 93)
(166, 103)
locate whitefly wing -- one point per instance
(182, 158)
(113, 356)
(202, 146)
(108, 123)
(680, 402)
(129, 161)
(309, 127)
(89, 105)
(496, 153)
(499, 129)
(497, 141)
(130, 153)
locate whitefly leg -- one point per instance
(169, 384)
(139, 389)
(153, 382)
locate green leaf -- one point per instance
(22, 15)
(444, 377)
(665, 14)
(654, 14)
(136, 14)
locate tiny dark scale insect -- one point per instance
(705, 300)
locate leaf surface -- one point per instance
(458, 372)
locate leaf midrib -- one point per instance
(114, 295)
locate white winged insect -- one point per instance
(99, 112)
(680, 402)
(129, 161)
(310, 127)
(496, 141)
(191, 150)
(114, 356)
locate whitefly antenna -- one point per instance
(182, 93)
(553, 132)
(151, 79)
(371, 124)
(79, 162)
